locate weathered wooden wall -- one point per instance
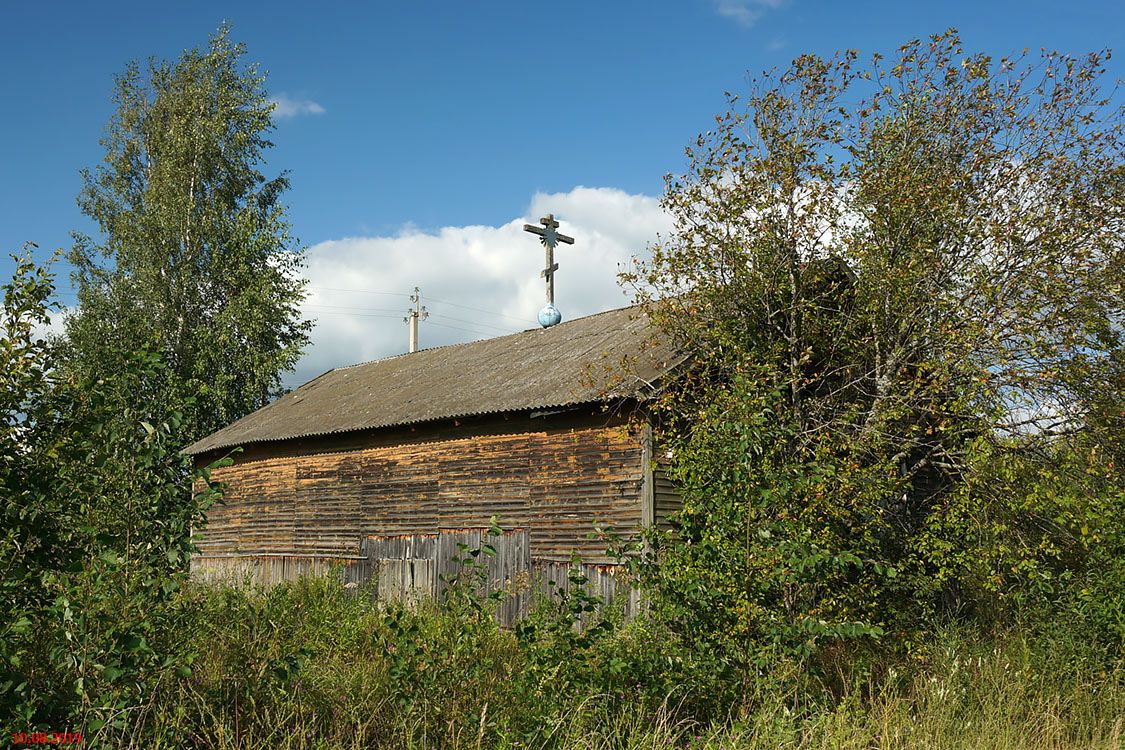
(557, 479)
(666, 498)
(411, 567)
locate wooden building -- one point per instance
(387, 466)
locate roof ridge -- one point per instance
(464, 343)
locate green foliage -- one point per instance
(903, 412)
(773, 557)
(1047, 539)
(96, 537)
(563, 638)
(305, 665)
(34, 536)
(187, 315)
(468, 590)
(195, 261)
(900, 283)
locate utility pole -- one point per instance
(413, 315)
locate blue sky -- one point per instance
(433, 124)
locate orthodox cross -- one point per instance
(550, 239)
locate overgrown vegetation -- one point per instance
(96, 531)
(304, 666)
(901, 283)
(899, 444)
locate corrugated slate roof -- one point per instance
(572, 363)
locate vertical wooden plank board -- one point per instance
(445, 550)
(648, 505)
(525, 582)
(386, 584)
(472, 542)
(426, 578)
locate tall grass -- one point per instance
(307, 666)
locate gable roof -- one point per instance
(575, 362)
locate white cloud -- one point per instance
(476, 281)
(746, 13)
(285, 106)
(56, 321)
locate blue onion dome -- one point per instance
(550, 316)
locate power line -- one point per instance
(353, 314)
(474, 327)
(466, 330)
(382, 312)
(361, 291)
(389, 317)
(477, 309)
(401, 294)
(357, 309)
(482, 324)
(375, 312)
(431, 299)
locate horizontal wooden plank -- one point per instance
(558, 482)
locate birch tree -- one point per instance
(194, 259)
